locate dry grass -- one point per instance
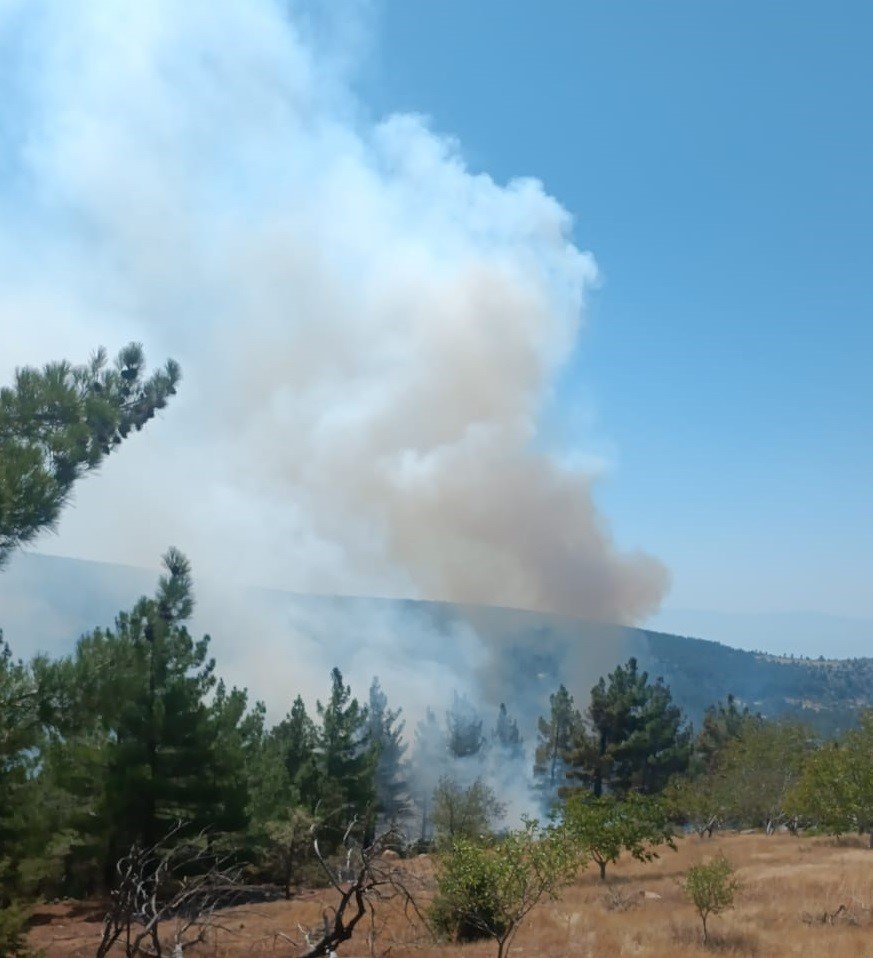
(793, 891)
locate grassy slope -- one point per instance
(789, 884)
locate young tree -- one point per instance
(604, 827)
(487, 891)
(555, 737)
(19, 731)
(711, 887)
(288, 846)
(723, 723)
(58, 423)
(20, 736)
(469, 812)
(344, 760)
(464, 736)
(295, 740)
(234, 735)
(160, 761)
(386, 735)
(133, 742)
(430, 763)
(506, 736)
(699, 801)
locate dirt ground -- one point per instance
(792, 886)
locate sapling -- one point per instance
(711, 887)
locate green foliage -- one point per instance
(835, 787)
(758, 770)
(60, 422)
(487, 890)
(506, 737)
(698, 801)
(287, 847)
(637, 737)
(555, 737)
(344, 761)
(293, 741)
(13, 944)
(464, 736)
(131, 735)
(711, 887)
(385, 730)
(19, 735)
(603, 827)
(469, 812)
(723, 723)
(748, 779)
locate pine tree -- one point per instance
(58, 423)
(345, 761)
(296, 738)
(722, 723)
(135, 745)
(555, 738)
(506, 736)
(20, 736)
(162, 752)
(464, 736)
(233, 736)
(386, 736)
(635, 738)
(658, 747)
(431, 761)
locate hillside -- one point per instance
(788, 906)
(46, 602)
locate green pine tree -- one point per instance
(345, 761)
(58, 423)
(463, 728)
(506, 736)
(635, 738)
(386, 735)
(556, 735)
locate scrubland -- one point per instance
(801, 896)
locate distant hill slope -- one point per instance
(47, 602)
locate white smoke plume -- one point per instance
(368, 330)
(369, 334)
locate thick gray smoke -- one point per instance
(369, 331)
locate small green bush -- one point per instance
(487, 890)
(711, 887)
(13, 944)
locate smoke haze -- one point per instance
(369, 334)
(368, 331)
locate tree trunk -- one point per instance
(705, 932)
(602, 866)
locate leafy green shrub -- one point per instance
(487, 890)
(711, 887)
(602, 828)
(13, 944)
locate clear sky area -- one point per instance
(718, 159)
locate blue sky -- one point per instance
(717, 158)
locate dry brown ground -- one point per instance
(789, 884)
